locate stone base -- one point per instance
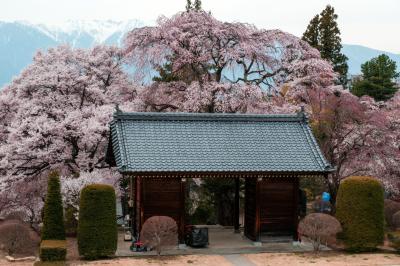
(12, 259)
(257, 244)
(296, 243)
(182, 246)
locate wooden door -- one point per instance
(278, 205)
(163, 197)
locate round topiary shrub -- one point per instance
(53, 220)
(97, 224)
(159, 232)
(391, 207)
(361, 213)
(17, 238)
(320, 228)
(396, 220)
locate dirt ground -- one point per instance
(281, 259)
(264, 259)
(334, 259)
(324, 258)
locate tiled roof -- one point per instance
(189, 142)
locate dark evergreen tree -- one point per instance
(188, 5)
(377, 82)
(311, 35)
(197, 5)
(330, 43)
(193, 6)
(323, 33)
(53, 220)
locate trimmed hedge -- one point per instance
(360, 211)
(53, 220)
(97, 224)
(53, 250)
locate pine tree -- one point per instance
(377, 82)
(330, 43)
(197, 5)
(188, 5)
(311, 35)
(193, 6)
(323, 33)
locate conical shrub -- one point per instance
(53, 220)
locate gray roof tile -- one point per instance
(183, 142)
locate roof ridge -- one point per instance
(182, 116)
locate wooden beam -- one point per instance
(237, 206)
(191, 174)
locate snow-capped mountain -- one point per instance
(20, 40)
(98, 31)
(81, 33)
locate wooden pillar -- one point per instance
(296, 208)
(237, 207)
(258, 210)
(139, 207)
(182, 212)
(133, 199)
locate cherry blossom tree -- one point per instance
(24, 199)
(389, 159)
(223, 67)
(56, 113)
(210, 97)
(357, 136)
(378, 154)
(71, 186)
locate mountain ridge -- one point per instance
(19, 41)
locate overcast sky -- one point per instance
(373, 23)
